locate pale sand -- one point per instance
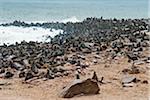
(49, 90)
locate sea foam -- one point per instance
(73, 19)
(13, 34)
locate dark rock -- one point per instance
(86, 87)
(117, 44)
(135, 70)
(97, 56)
(87, 51)
(66, 73)
(95, 76)
(145, 82)
(2, 70)
(61, 69)
(132, 57)
(78, 63)
(77, 75)
(17, 66)
(21, 74)
(81, 57)
(139, 63)
(84, 65)
(88, 45)
(10, 57)
(57, 53)
(34, 69)
(49, 74)
(1, 56)
(126, 71)
(8, 74)
(72, 61)
(58, 74)
(26, 63)
(54, 70)
(4, 83)
(95, 61)
(103, 47)
(29, 75)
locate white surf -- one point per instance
(13, 34)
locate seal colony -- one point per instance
(67, 53)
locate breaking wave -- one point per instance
(12, 34)
(71, 19)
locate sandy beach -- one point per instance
(49, 90)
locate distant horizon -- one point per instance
(58, 10)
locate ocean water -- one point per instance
(62, 11)
(58, 10)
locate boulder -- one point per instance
(78, 87)
(87, 86)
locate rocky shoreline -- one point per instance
(103, 38)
